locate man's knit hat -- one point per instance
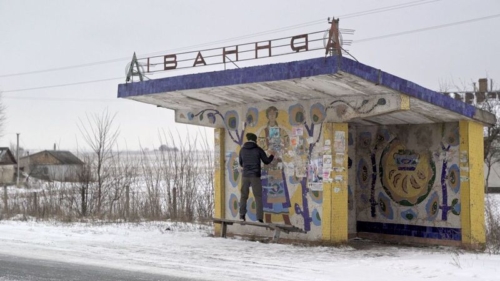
(251, 137)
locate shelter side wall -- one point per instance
(351, 184)
(7, 174)
(408, 181)
(292, 184)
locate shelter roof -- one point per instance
(312, 79)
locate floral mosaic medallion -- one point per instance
(252, 209)
(233, 204)
(406, 176)
(232, 165)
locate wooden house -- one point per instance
(8, 166)
(52, 165)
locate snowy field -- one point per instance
(188, 251)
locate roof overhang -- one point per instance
(320, 79)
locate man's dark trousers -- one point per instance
(256, 184)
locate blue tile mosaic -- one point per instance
(430, 232)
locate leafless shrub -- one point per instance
(175, 184)
(492, 226)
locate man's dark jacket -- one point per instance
(250, 156)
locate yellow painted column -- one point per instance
(472, 183)
(335, 194)
(219, 177)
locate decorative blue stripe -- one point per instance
(407, 87)
(293, 70)
(429, 232)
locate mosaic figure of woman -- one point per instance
(274, 139)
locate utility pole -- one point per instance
(17, 159)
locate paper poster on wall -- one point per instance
(274, 139)
(339, 158)
(327, 161)
(338, 169)
(316, 186)
(326, 175)
(297, 131)
(294, 141)
(274, 132)
(327, 149)
(339, 141)
(328, 143)
(300, 171)
(315, 170)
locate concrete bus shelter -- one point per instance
(361, 152)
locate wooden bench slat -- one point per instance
(273, 226)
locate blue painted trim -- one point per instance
(293, 70)
(429, 232)
(406, 87)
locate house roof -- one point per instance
(64, 157)
(319, 78)
(6, 156)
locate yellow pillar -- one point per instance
(335, 193)
(219, 177)
(472, 183)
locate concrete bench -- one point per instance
(278, 228)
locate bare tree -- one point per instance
(491, 134)
(491, 139)
(100, 135)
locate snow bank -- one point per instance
(187, 250)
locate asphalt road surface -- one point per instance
(14, 268)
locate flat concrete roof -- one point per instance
(312, 79)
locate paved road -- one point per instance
(14, 268)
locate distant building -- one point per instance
(52, 165)
(494, 178)
(7, 166)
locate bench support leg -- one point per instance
(276, 235)
(224, 230)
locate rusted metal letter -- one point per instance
(199, 59)
(169, 62)
(298, 48)
(257, 48)
(334, 39)
(224, 53)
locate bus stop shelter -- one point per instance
(361, 152)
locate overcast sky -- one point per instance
(41, 35)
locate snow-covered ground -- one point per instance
(189, 251)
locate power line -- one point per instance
(425, 29)
(305, 24)
(61, 99)
(63, 85)
(388, 8)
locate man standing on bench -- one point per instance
(250, 156)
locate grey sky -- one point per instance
(38, 35)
